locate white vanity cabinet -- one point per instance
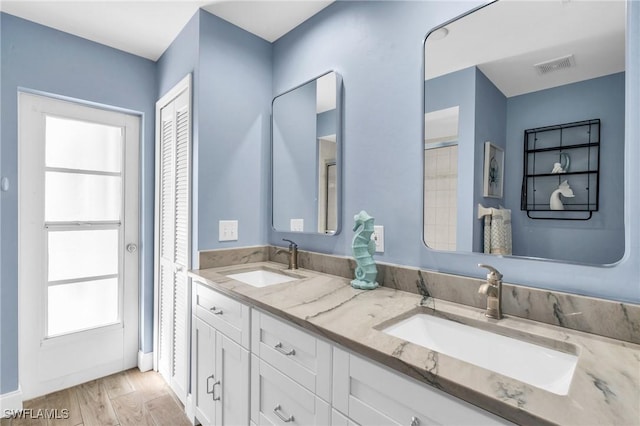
(220, 358)
(369, 394)
(249, 367)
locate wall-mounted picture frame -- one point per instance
(493, 170)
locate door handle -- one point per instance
(132, 248)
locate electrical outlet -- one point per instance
(228, 230)
(296, 225)
(378, 237)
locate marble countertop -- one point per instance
(605, 389)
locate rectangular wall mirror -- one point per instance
(495, 74)
(306, 146)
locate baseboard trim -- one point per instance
(145, 361)
(10, 402)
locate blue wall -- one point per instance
(377, 47)
(40, 58)
(231, 127)
(294, 158)
(233, 133)
(599, 240)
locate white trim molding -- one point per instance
(145, 361)
(10, 402)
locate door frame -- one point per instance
(130, 294)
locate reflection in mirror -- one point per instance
(507, 70)
(441, 178)
(306, 138)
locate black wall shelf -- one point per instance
(576, 147)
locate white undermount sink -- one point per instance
(539, 366)
(262, 277)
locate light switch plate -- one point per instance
(228, 230)
(378, 237)
(296, 225)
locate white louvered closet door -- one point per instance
(173, 240)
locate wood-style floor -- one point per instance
(127, 398)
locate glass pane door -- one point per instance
(83, 211)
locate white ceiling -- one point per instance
(507, 38)
(147, 27)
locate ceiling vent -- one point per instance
(555, 64)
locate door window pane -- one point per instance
(79, 254)
(81, 197)
(74, 144)
(82, 305)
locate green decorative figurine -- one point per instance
(363, 248)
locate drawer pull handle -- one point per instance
(283, 351)
(278, 410)
(414, 421)
(213, 391)
(216, 311)
(210, 378)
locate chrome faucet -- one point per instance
(293, 254)
(493, 289)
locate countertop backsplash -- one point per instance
(603, 317)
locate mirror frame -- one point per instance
(339, 150)
(516, 257)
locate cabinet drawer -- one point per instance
(295, 352)
(223, 313)
(278, 400)
(371, 394)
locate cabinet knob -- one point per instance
(216, 311)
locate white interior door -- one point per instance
(173, 241)
(78, 238)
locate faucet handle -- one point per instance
(493, 274)
(291, 243)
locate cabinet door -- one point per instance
(232, 370)
(204, 346)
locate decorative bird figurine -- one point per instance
(557, 168)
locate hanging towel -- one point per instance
(497, 230)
